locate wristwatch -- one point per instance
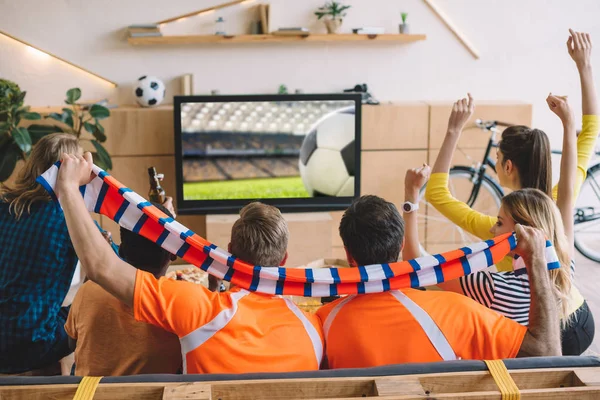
(409, 207)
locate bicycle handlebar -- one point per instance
(489, 125)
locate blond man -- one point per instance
(232, 332)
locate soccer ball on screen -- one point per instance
(149, 91)
(327, 156)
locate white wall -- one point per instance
(522, 47)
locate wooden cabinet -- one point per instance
(401, 126)
(513, 113)
(395, 137)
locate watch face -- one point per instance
(407, 207)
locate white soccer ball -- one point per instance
(327, 156)
(149, 91)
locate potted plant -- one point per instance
(403, 26)
(16, 141)
(81, 118)
(333, 12)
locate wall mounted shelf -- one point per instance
(315, 38)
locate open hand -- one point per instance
(560, 106)
(531, 242)
(416, 178)
(461, 113)
(74, 171)
(579, 46)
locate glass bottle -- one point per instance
(157, 193)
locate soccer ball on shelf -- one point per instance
(149, 91)
(327, 156)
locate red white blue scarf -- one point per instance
(105, 195)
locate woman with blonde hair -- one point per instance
(38, 262)
(508, 292)
(524, 158)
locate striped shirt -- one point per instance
(507, 293)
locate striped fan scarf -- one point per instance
(105, 195)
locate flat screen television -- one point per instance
(297, 152)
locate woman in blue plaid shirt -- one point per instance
(37, 262)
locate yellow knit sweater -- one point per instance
(478, 224)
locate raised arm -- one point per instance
(565, 199)
(98, 260)
(413, 182)
(543, 333)
(438, 193)
(461, 112)
(579, 46)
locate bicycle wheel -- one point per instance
(441, 234)
(587, 216)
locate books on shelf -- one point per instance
(144, 30)
(144, 34)
(292, 31)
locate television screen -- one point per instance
(297, 152)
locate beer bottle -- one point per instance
(157, 193)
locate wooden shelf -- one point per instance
(316, 38)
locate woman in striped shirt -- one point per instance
(508, 292)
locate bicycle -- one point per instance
(477, 186)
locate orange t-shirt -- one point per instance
(376, 329)
(111, 342)
(231, 332)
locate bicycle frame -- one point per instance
(486, 162)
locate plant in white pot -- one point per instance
(333, 12)
(403, 26)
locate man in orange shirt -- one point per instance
(106, 338)
(422, 326)
(231, 332)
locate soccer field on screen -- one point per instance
(268, 188)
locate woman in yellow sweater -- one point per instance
(524, 162)
(523, 157)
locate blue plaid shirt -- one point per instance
(37, 262)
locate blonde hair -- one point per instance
(260, 235)
(26, 191)
(532, 207)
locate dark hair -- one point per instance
(529, 151)
(143, 253)
(372, 230)
(260, 235)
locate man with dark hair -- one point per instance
(373, 229)
(103, 332)
(422, 326)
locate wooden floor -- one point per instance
(587, 279)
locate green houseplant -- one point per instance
(15, 140)
(403, 27)
(333, 12)
(81, 120)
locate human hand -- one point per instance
(415, 179)
(461, 112)
(560, 106)
(579, 46)
(168, 204)
(531, 243)
(74, 171)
